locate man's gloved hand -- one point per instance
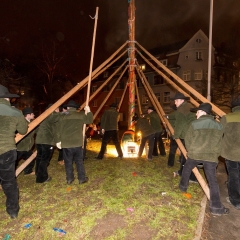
(59, 145)
(87, 109)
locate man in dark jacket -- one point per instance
(203, 144)
(148, 135)
(24, 147)
(12, 120)
(231, 152)
(71, 139)
(45, 141)
(183, 118)
(156, 124)
(109, 129)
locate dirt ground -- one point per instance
(223, 227)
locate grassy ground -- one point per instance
(124, 199)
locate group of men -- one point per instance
(65, 130)
(204, 137)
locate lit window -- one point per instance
(164, 62)
(198, 75)
(187, 75)
(142, 67)
(145, 99)
(166, 97)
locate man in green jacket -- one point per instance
(147, 133)
(231, 152)
(45, 141)
(109, 129)
(71, 140)
(203, 144)
(156, 124)
(12, 120)
(24, 147)
(183, 118)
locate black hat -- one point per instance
(151, 108)
(72, 104)
(135, 117)
(114, 105)
(4, 93)
(27, 110)
(179, 95)
(206, 107)
(236, 103)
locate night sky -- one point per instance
(158, 22)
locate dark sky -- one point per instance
(158, 22)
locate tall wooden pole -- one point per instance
(131, 59)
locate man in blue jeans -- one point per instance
(203, 143)
(231, 152)
(12, 120)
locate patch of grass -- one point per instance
(124, 199)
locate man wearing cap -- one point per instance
(71, 140)
(183, 118)
(156, 124)
(109, 129)
(203, 145)
(148, 134)
(45, 140)
(231, 152)
(12, 120)
(24, 147)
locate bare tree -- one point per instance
(51, 57)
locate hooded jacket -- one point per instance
(12, 120)
(203, 139)
(231, 138)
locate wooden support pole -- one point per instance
(104, 84)
(90, 71)
(160, 112)
(109, 94)
(215, 109)
(138, 99)
(23, 165)
(121, 100)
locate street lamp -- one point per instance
(210, 51)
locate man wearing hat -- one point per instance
(156, 124)
(24, 147)
(45, 141)
(12, 120)
(183, 118)
(231, 152)
(71, 140)
(203, 145)
(109, 129)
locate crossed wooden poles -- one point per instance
(176, 83)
